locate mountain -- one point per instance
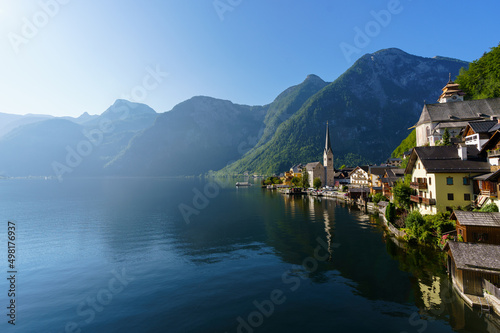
(31, 149)
(369, 108)
(8, 122)
(73, 146)
(196, 136)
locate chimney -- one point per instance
(462, 152)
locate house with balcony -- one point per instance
(359, 176)
(389, 179)
(375, 175)
(477, 133)
(441, 177)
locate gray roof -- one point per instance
(483, 219)
(448, 124)
(379, 170)
(482, 126)
(436, 159)
(312, 165)
(476, 257)
(460, 111)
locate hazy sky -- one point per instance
(66, 57)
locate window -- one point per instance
(449, 180)
(430, 194)
(418, 165)
(466, 181)
(467, 196)
(450, 196)
(480, 237)
(430, 182)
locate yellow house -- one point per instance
(441, 176)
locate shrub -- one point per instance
(377, 197)
(491, 208)
(390, 212)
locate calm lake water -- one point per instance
(118, 255)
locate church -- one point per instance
(324, 171)
(452, 113)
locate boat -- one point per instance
(240, 184)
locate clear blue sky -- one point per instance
(84, 54)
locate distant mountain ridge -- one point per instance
(369, 108)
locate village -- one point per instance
(443, 193)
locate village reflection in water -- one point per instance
(360, 236)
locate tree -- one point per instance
(390, 212)
(296, 181)
(305, 179)
(377, 197)
(342, 167)
(402, 192)
(482, 78)
(317, 183)
(446, 138)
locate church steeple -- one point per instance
(328, 159)
(451, 92)
(328, 145)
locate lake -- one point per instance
(190, 255)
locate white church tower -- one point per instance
(451, 93)
(328, 160)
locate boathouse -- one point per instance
(471, 263)
(478, 227)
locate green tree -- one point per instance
(305, 179)
(342, 167)
(418, 229)
(390, 212)
(296, 181)
(317, 183)
(482, 78)
(402, 192)
(377, 197)
(446, 138)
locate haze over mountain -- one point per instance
(369, 108)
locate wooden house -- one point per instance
(471, 263)
(478, 227)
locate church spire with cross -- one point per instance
(328, 160)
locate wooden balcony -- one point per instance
(418, 186)
(415, 198)
(488, 193)
(427, 201)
